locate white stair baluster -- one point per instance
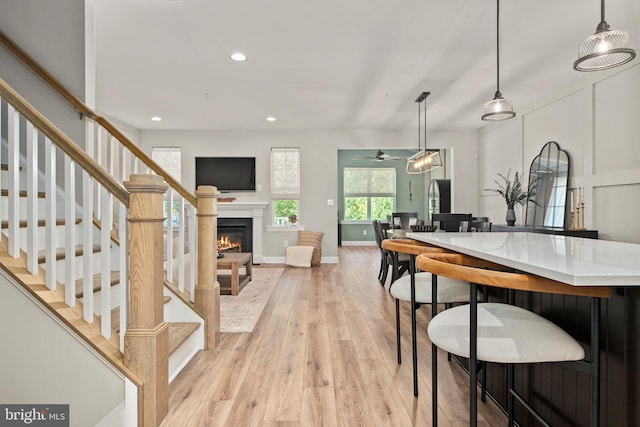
(169, 235)
(90, 132)
(105, 263)
(181, 226)
(123, 264)
(13, 187)
(70, 232)
(98, 158)
(87, 245)
(32, 198)
(124, 272)
(51, 214)
(193, 246)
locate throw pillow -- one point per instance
(312, 238)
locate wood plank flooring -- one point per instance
(323, 354)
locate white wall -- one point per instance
(597, 121)
(319, 167)
(58, 45)
(48, 365)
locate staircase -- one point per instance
(92, 238)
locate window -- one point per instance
(369, 193)
(170, 159)
(285, 186)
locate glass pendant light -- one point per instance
(607, 48)
(423, 161)
(498, 108)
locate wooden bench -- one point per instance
(231, 284)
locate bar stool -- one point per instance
(416, 288)
(497, 332)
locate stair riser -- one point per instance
(40, 236)
(78, 265)
(22, 206)
(97, 300)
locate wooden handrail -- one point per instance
(64, 143)
(84, 110)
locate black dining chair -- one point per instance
(403, 220)
(400, 266)
(480, 223)
(451, 221)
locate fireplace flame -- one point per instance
(225, 244)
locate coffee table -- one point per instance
(231, 284)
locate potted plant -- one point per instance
(512, 192)
(293, 218)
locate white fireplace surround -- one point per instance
(253, 210)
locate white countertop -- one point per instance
(572, 260)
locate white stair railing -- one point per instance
(25, 175)
(180, 242)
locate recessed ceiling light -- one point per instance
(271, 119)
(238, 56)
(156, 119)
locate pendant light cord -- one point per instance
(419, 134)
(498, 49)
(602, 10)
(425, 125)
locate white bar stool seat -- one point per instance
(449, 290)
(506, 334)
(498, 332)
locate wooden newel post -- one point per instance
(146, 342)
(207, 294)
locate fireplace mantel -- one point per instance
(253, 210)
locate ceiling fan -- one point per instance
(380, 156)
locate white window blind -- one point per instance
(285, 173)
(370, 182)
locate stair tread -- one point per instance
(60, 253)
(115, 279)
(41, 223)
(115, 316)
(179, 332)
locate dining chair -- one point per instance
(480, 223)
(450, 221)
(403, 220)
(416, 289)
(494, 332)
(400, 266)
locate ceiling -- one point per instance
(335, 64)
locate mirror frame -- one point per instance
(550, 158)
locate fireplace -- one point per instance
(235, 235)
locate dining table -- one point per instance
(579, 266)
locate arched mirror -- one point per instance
(548, 182)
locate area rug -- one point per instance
(240, 313)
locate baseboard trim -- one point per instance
(281, 260)
(359, 243)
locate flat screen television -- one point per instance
(228, 174)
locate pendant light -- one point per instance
(423, 161)
(607, 48)
(498, 108)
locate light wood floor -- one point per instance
(323, 354)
